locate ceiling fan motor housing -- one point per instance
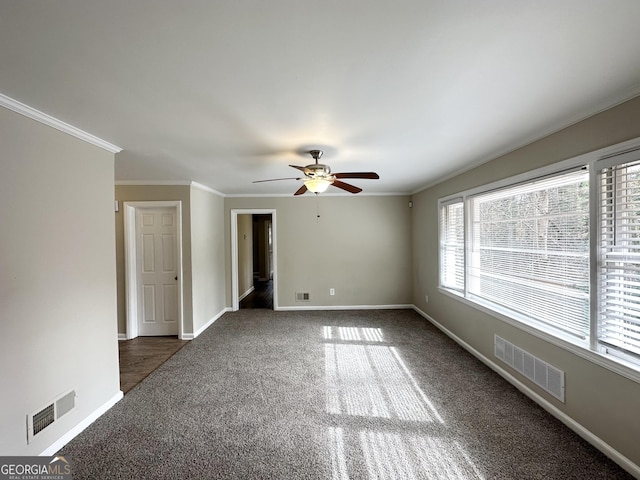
(318, 170)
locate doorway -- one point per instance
(261, 293)
(153, 268)
(253, 253)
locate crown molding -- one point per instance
(189, 183)
(206, 189)
(41, 117)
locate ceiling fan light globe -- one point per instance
(317, 185)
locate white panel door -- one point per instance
(157, 271)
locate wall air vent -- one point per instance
(41, 419)
(65, 403)
(302, 296)
(540, 372)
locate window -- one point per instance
(529, 251)
(452, 245)
(619, 265)
(524, 249)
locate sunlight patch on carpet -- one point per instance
(369, 380)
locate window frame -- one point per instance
(624, 159)
(441, 206)
(590, 349)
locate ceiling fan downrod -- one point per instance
(316, 154)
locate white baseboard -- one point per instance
(75, 431)
(346, 307)
(245, 294)
(586, 434)
(122, 336)
(191, 336)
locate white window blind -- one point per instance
(619, 268)
(452, 245)
(529, 251)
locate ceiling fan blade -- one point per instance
(301, 190)
(345, 186)
(371, 175)
(304, 170)
(276, 179)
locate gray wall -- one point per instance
(598, 399)
(207, 253)
(359, 245)
(57, 279)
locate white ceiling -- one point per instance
(230, 91)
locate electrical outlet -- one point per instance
(426, 298)
(332, 291)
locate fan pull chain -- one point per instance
(317, 208)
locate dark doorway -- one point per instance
(261, 297)
(262, 258)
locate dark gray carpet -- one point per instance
(329, 395)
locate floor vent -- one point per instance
(41, 419)
(302, 296)
(544, 375)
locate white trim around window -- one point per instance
(581, 336)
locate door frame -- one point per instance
(131, 263)
(235, 301)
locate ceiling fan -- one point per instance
(318, 177)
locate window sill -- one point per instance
(610, 362)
